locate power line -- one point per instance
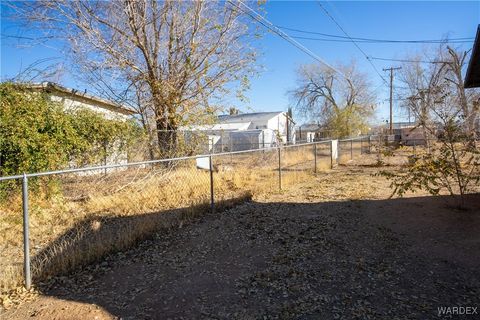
(406, 60)
(383, 42)
(269, 25)
(372, 40)
(353, 41)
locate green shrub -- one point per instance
(37, 134)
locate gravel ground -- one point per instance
(303, 254)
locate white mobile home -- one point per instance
(247, 131)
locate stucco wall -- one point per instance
(70, 103)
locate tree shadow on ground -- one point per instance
(94, 237)
(397, 258)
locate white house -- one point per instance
(308, 132)
(246, 131)
(72, 99)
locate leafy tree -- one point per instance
(343, 104)
(444, 109)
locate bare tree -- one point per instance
(177, 55)
(467, 101)
(429, 81)
(45, 69)
(342, 103)
(423, 84)
(446, 111)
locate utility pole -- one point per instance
(391, 95)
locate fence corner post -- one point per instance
(279, 168)
(212, 198)
(26, 234)
(315, 156)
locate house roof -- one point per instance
(310, 127)
(100, 102)
(472, 78)
(249, 117)
(219, 126)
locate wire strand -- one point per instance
(405, 60)
(353, 41)
(368, 40)
(269, 25)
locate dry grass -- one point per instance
(92, 215)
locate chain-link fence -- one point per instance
(73, 217)
(350, 148)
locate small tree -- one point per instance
(443, 109)
(452, 164)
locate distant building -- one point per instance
(244, 131)
(310, 132)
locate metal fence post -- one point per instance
(212, 200)
(369, 144)
(339, 150)
(279, 168)
(351, 149)
(26, 236)
(315, 157)
(331, 154)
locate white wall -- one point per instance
(73, 104)
(279, 123)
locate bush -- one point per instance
(99, 138)
(36, 134)
(452, 164)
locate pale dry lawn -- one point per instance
(330, 245)
(93, 215)
(84, 217)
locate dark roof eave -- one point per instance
(472, 78)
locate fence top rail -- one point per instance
(352, 139)
(133, 164)
(306, 144)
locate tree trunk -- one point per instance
(166, 135)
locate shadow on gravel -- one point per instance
(93, 238)
(389, 259)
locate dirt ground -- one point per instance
(330, 248)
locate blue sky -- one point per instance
(407, 20)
